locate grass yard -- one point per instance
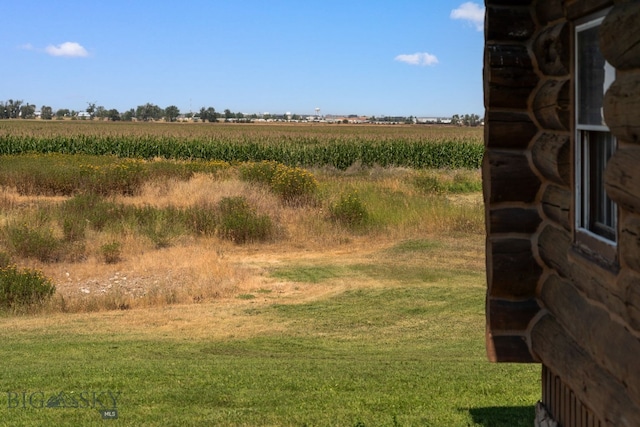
(383, 341)
(191, 293)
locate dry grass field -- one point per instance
(205, 269)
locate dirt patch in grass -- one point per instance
(224, 274)
(192, 290)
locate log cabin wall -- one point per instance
(548, 299)
(510, 184)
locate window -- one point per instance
(595, 213)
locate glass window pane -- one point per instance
(598, 205)
(595, 76)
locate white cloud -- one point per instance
(420, 58)
(26, 46)
(472, 12)
(69, 49)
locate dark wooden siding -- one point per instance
(512, 217)
(549, 299)
(563, 404)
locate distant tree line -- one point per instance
(17, 109)
(465, 120)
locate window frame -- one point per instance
(588, 239)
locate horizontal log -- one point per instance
(512, 270)
(513, 220)
(591, 383)
(629, 242)
(622, 178)
(622, 106)
(554, 245)
(552, 48)
(607, 342)
(580, 8)
(510, 177)
(509, 129)
(498, 96)
(509, 76)
(556, 205)
(629, 282)
(548, 11)
(619, 36)
(597, 283)
(551, 155)
(509, 24)
(551, 104)
(514, 59)
(509, 315)
(508, 349)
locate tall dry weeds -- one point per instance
(199, 269)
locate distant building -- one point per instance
(434, 120)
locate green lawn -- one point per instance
(409, 354)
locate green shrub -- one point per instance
(89, 209)
(240, 223)
(73, 229)
(23, 287)
(121, 176)
(294, 185)
(111, 252)
(349, 210)
(262, 172)
(160, 225)
(38, 242)
(201, 220)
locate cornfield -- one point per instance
(297, 145)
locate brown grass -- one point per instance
(200, 271)
(225, 271)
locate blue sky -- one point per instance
(406, 57)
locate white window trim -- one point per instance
(583, 234)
